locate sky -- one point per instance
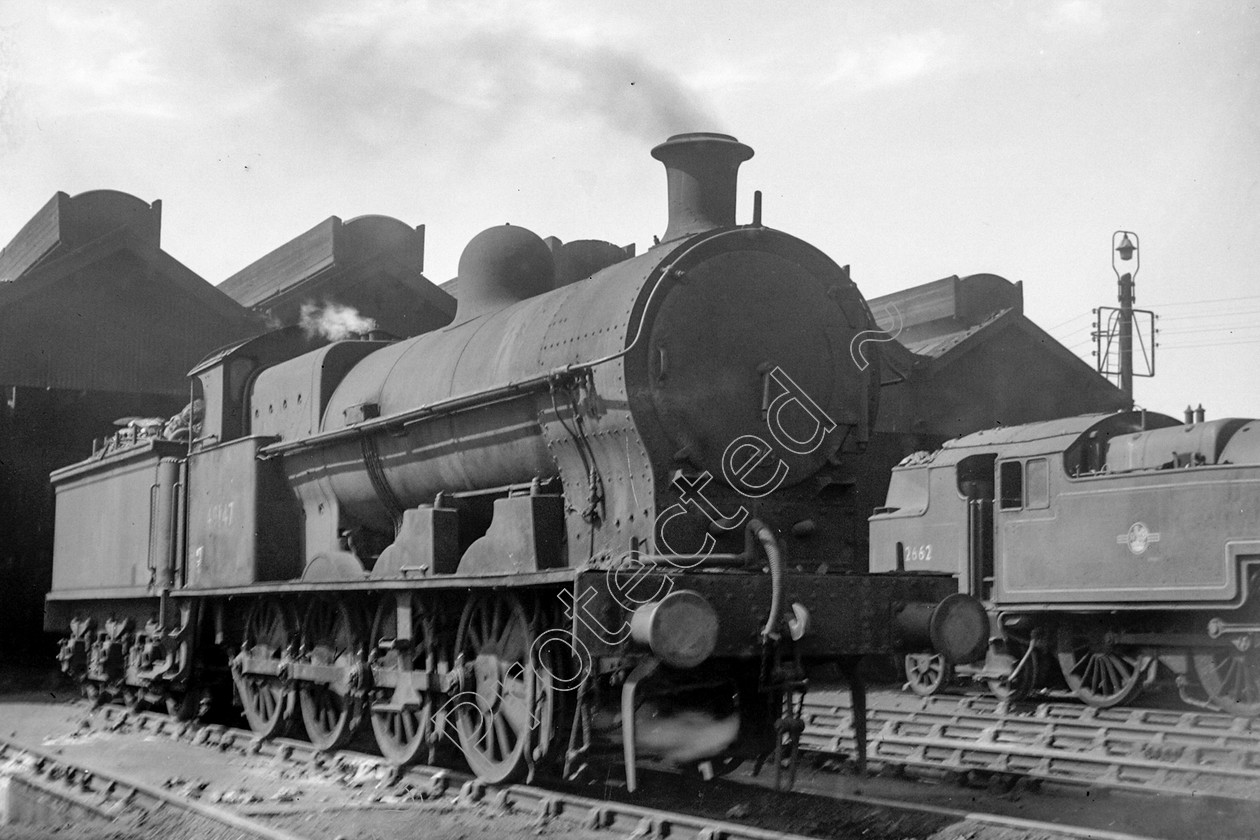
(910, 140)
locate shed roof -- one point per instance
(944, 307)
(936, 346)
(372, 263)
(67, 222)
(96, 305)
(967, 358)
(330, 244)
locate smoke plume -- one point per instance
(382, 77)
(334, 321)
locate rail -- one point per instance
(1125, 749)
(431, 782)
(113, 797)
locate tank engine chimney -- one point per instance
(702, 170)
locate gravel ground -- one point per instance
(38, 701)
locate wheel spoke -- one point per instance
(1234, 680)
(515, 710)
(483, 621)
(496, 620)
(1104, 675)
(1108, 674)
(502, 738)
(1081, 663)
(1131, 667)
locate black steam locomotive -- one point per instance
(605, 504)
(1118, 547)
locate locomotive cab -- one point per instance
(938, 517)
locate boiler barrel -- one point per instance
(493, 442)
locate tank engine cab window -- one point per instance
(1038, 480)
(975, 484)
(975, 476)
(1011, 479)
(1087, 456)
(907, 491)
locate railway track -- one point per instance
(386, 786)
(604, 817)
(374, 785)
(82, 793)
(612, 817)
(1146, 750)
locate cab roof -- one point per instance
(1045, 436)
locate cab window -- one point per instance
(1038, 480)
(907, 491)
(1011, 478)
(975, 476)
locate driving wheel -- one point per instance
(331, 710)
(1231, 677)
(505, 701)
(402, 719)
(266, 701)
(1099, 672)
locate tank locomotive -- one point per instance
(1117, 547)
(596, 504)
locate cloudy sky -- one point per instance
(912, 140)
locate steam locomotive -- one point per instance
(604, 501)
(1124, 546)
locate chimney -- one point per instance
(702, 172)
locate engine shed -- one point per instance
(968, 358)
(965, 357)
(373, 265)
(97, 322)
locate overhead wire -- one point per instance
(1204, 330)
(1174, 346)
(1200, 302)
(1068, 321)
(1209, 315)
(1074, 332)
(1227, 331)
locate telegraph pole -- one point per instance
(1127, 251)
(1116, 330)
